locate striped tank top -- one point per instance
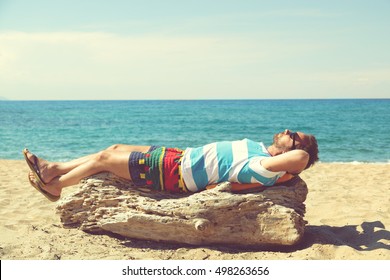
(233, 161)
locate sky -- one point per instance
(185, 49)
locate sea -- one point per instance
(347, 130)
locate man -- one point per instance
(245, 163)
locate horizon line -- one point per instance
(201, 99)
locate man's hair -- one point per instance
(311, 147)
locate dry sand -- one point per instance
(348, 214)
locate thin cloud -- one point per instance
(175, 67)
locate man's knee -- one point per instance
(103, 156)
(114, 147)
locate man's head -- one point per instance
(288, 141)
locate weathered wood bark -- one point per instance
(105, 203)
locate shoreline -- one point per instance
(347, 214)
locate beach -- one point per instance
(347, 214)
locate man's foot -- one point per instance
(53, 194)
(40, 167)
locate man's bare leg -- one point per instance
(105, 161)
(51, 170)
(115, 162)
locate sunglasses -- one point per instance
(293, 135)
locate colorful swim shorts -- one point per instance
(158, 168)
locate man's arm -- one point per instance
(292, 162)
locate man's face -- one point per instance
(284, 140)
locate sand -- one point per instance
(348, 214)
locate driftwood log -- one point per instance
(270, 216)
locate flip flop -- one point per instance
(39, 184)
(33, 166)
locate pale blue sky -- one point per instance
(72, 49)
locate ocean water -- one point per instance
(346, 130)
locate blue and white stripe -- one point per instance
(234, 161)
